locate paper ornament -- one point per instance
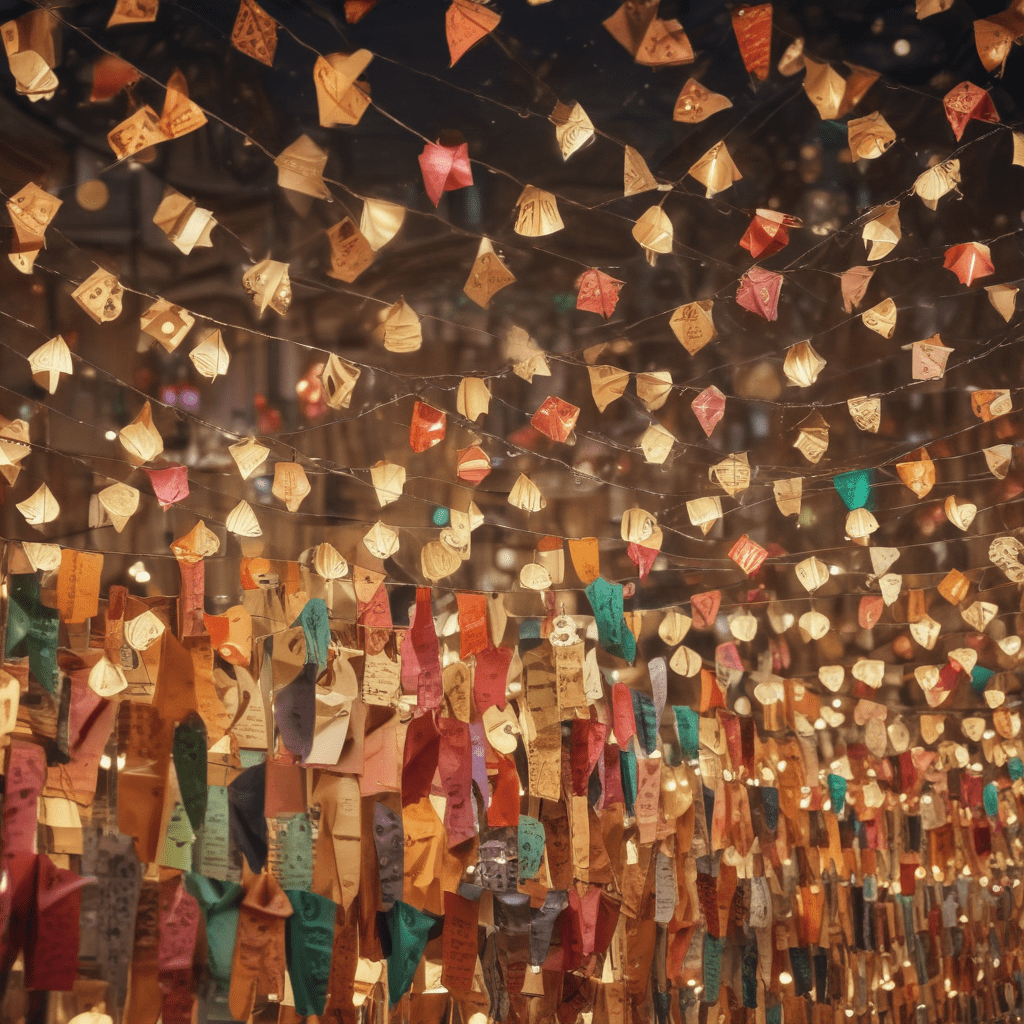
(692, 324)
(31, 210)
(140, 439)
(656, 444)
(427, 427)
(242, 521)
(768, 232)
(812, 573)
(340, 98)
(788, 495)
(210, 357)
(100, 296)
(732, 474)
(995, 35)
(652, 41)
(133, 12)
(556, 419)
(473, 398)
(473, 464)
(607, 384)
(749, 556)
(937, 181)
(990, 404)
(1003, 298)
(918, 472)
(538, 213)
(268, 284)
(328, 562)
(255, 32)
(338, 380)
(466, 23)
(525, 494)
(881, 318)
(167, 323)
(41, 557)
(445, 168)
(967, 102)
(573, 128)
(831, 93)
(802, 365)
(40, 507)
(300, 168)
(654, 233)
(695, 103)
(998, 459)
(399, 328)
(351, 253)
(120, 502)
(636, 176)
(598, 293)
(759, 292)
(960, 513)
(31, 53)
(715, 170)
(866, 413)
(14, 447)
(185, 224)
(929, 358)
(870, 136)
(753, 28)
(381, 541)
(180, 115)
(388, 481)
(249, 455)
(709, 408)
(290, 484)
(535, 577)
(861, 523)
(812, 437)
(488, 275)
(380, 222)
(170, 483)
(882, 232)
(49, 361)
(926, 8)
(969, 262)
(704, 512)
(854, 283)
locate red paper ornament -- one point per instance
(445, 168)
(427, 427)
(768, 233)
(709, 408)
(170, 484)
(599, 293)
(969, 261)
(968, 102)
(555, 418)
(753, 28)
(759, 292)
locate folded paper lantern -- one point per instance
(709, 408)
(388, 481)
(488, 275)
(210, 357)
(759, 292)
(290, 484)
(31, 53)
(555, 419)
(693, 325)
(654, 233)
(969, 261)
(1003, 298)
(399, 328)
(802, 364)
(651, 40)
(473, 464)
(636, 175)
(268, 284)
(768, 232)
(380, 221)
(100, 296)
(937, 181)
(653, 388)
(300, 168)
(140, 439)
(882, 232)
(854, 284)
(573, 128)
(340, 98)
(715, 170)
(427, 427)
(49, 362)
(994, 35)
(656, 444)
(866, 413)
(918, 472)
(598, 293)
(753, 28)
(812, 437)
(870, 136)
(695, 103)
(255, 32)
(881, 318)
(525, 494)
(832, 94)
(968, 102)
(607, 384)
(929, 358)
(445, 168)
(538, 213)
(466, 23)
(40, 508)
